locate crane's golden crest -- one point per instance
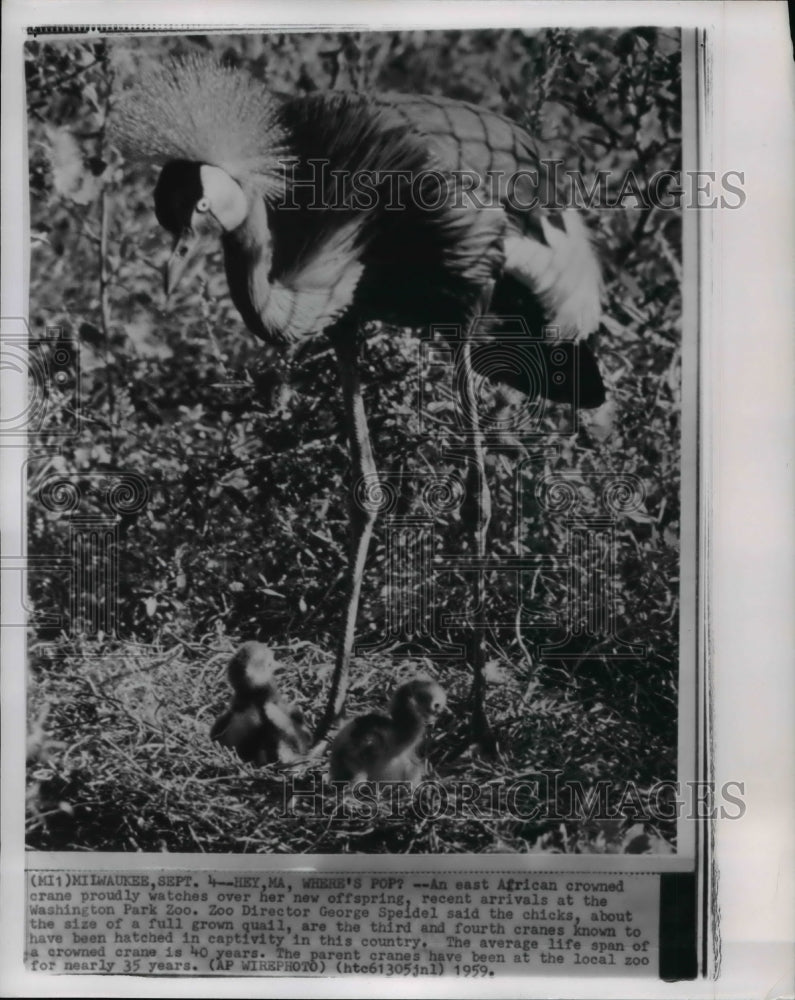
(193, 109)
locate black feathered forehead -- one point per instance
(178, 189)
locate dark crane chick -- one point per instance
(341, 208)
(261, 727)
(386, 748)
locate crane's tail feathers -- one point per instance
(561, 269)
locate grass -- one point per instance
(119, 759)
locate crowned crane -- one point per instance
(258, 724)
(385, 748)
(337, 209)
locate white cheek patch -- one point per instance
(227, 201)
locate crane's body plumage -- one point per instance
(376, 747)
(448, 214)
(415, 265)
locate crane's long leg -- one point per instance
(478, 492)
(362, 518)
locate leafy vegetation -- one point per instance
(244, 530)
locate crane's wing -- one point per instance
(355, 234)
(547, 248)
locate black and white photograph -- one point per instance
(373, 344)
(368, 584)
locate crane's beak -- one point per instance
(185, 249)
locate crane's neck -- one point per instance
(289, 300)
(253, 235)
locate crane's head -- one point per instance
(196, 203)
(424, 700)
(251, 673)
(217, 135)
